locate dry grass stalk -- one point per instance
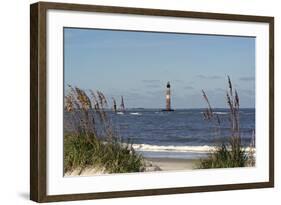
(232, 155)
(103, 145)
(211, 116)
(90, 113)
(234, 117)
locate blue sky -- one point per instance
(138, 65)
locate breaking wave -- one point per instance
(135, 113)
(171, 148)
(221, 113)
(218, 113)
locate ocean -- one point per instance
(180, 134)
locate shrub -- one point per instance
(230, 153)
(94, 141)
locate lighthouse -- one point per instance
(168, 98)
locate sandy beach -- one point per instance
(172, 164)
(153, 164)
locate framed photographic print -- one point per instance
(135, 102)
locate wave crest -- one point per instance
(171, 148)
(135, 113)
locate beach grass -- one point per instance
(94, 141)
(223, 157)
(231, 153)
(111, 157)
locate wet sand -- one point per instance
(170, 164)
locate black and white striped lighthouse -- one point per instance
(168, 98)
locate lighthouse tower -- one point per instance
(168, 98)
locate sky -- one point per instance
(138, 65)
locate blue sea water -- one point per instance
(179, 134)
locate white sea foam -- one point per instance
(171, 148)
(135, 113)
(221, 113)
(120, 113)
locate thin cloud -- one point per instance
(151, 81)
(247, 78)
(212, 77)
(220, 90)
(153, 86)
(247, 92)
(177, 81)
(135, 89)
(188, 87)
(155, 92)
